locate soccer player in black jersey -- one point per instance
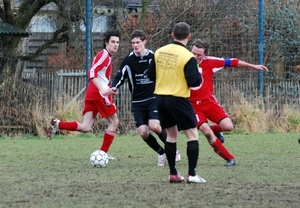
(134, 68)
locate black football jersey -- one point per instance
(134, 68)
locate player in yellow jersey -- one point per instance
(174, 70)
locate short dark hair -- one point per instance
(201, 44)
(108, 34)
(139, 34)
(181, 30)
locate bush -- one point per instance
(25, 110)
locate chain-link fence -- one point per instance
(232, 29)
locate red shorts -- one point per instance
(99, 106)
(208, 109)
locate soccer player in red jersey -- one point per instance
(98, 97)
(205, 104)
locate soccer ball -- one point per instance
(99, 159)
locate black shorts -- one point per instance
(143, 111)
(175, 111)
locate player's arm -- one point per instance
(252, 66)
(104, 90)
(120, 76)
(192, 74)
(233, 62)
(151, 70)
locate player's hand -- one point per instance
(105, 91)
(261, 67)
(114, 91)
(108, 91)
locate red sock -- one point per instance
(216, 128)
(107, 140)
(71, 126)
(221, 150)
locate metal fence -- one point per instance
(73, 83)
(232, 29)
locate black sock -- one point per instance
(192, 152)
(163, 135)
(170, 149)
(152, 142)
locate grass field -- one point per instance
(36, 172)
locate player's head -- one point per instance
(181, 31)
(138, 41)
(139, 34)
(111, 40)
(200, 49)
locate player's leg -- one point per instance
(203, 114)
(169, 124)
(216, 144)
(219, 134)
(109, 134)
(222, 151)
(85, 126)
(89, 113)
(225, 125)
(151, 113)
(151, 141)
(186, 121)
(141, 117)
(154, 125)
(215, 113)
(171, 148)
(110, 114)
(220, 119)
(193, 154)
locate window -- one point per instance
(42, 23)
(98, 24)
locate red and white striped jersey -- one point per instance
(207, 67)
(101, 68)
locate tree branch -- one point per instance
(8, 14)
(55, 39)
(27, 10)
(2, 16)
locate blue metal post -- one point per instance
(88, 38)
(261, 45)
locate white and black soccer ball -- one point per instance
(99, 159)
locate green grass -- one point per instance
(36, 172)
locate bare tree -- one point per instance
(158, 17)
(67, 11)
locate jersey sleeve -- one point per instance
(223, 62)
(100, 61)
(121, 75)
(192, 74)
(231, 62)
(151, 70)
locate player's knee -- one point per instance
(144, 134)
(155, 127)
(116, 122)
(227, 127)
(205, 131)
(113, 123)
